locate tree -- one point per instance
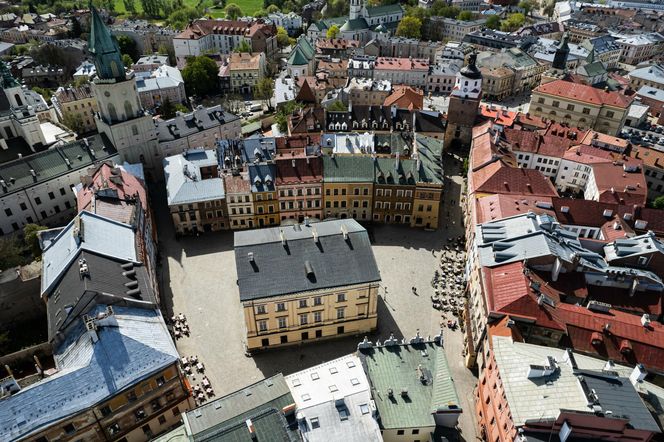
(335, 8)
(233, 11)
(128, 46)
(282, 37)
(44, 92)
(410, 27)
(528, 6)
(337, 106)
(200, 75)
(10, 252)
(130, 6)
(127, 61)
(165, 50)
(233, 103)
(283, 112)
(152, 7)
(333, 32)
(465, 16)
(265, 90)
(492, 22)
(658, 203)
(513, 22)
(180, 18)
(244, 46)
(76, 30)
(80, 81)
(73, 122)
(271, 9)
(167, 109)
(31, 238)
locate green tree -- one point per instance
(31, 238)
(465, 16)
(284, 111)
(410, 27)
(271, 9)
(167, 109)
(333, 32)
(513, 22)
(126, 59)
(417, 12)
(81, 81)
(244, 46)
(180, 18)
(261, 13)
(282, 37)
(265, 90)
(337, 106)
(170, 52)
(233, 11)
(44, 92)
(336, 8)
(73, 122)
(492, 22)
(128, 46)
(76, 30)
(658, 203)
(130, 6)
(528, 6)
(200, 75)
(10, 252)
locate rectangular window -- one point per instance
(281, 307)
(318, 317)
(570, 107)
(303, 303)
(304, 319)
(555, 103)
(38, 201)
(261, 310)
(341, 297)
(341, 313)
(51, 195)
(262, 326)
(69, 429)
(282, 322)
(318, 300)
(63, 192)
(8, 212)
(23, 206)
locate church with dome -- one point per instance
(363, 23)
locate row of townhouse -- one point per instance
(209, 190)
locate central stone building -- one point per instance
(306, 281)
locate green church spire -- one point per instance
(104, 48)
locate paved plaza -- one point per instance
(199, 279)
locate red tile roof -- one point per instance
(617, 186)
(405, 97)
(498, 115)
(401, 64)
(583, 93)
(493, 207)
(498, 178)
(299, 170)
(236, 184)
(126, 185)
(647, 342)
(508, 291)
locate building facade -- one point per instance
(282, 306)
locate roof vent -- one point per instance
(314, 232)
(344, 232)
(250, 255)
(283, 237)
(645, 320)
(597, 306)
(390, 393)
(404, 392)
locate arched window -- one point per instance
(17, 97)
(128, 111)
(553, 113)
(111, 112)
(114, 69)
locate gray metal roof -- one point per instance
(218, 419)
(89, 232)
(653, 73)
(136, 347)
(279, 269)
(539, 399)
(184, 184)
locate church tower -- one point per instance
(463, 106)
(121, 116)
(558, 68)
(357, 9)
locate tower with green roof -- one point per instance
(121, 116)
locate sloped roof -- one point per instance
(583, 93)
(303, 264)
(348, 169)
(91, 372)
(89, 232)
(184, 183)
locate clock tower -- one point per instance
(463, 105)
(121, 117)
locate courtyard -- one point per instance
(198, 279)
